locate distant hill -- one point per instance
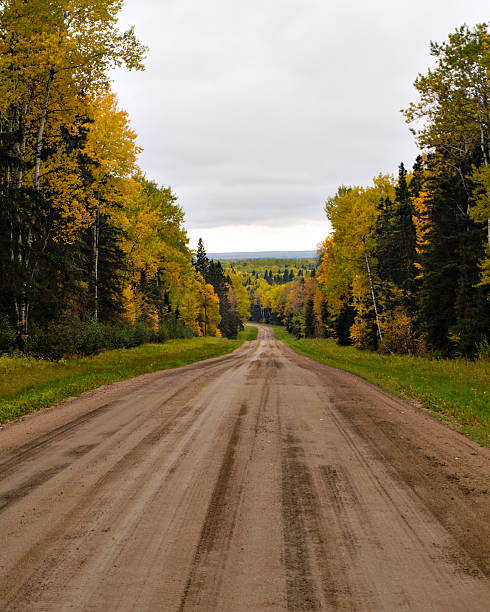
(264, 255)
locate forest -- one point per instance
(406, 268)
(93, 253)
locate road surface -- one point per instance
(260, 480)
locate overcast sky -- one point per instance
(255, 112)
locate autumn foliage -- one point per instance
(406, 268)
(85, 236)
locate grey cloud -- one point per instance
(257, 111)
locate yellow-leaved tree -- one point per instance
(110, 163)
(347, 263)
(53, 56)
(155, 246)
(241, 295)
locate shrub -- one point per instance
(51, 343)
(86, 338)
(141, 333)
(90, 337)
(7, 335)
(483, 349)
(363, 333)
(399, 333)
(173, 328)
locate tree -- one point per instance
(309, 318)
(346, 269)
(155, 247)
(202, 261)
(481, 213)
(454, 313)
(455, 224)
(454, 96)
(213, 274)
(395, 245)
(454, 108)
(52, 56)
(242, 296)
(111, 152)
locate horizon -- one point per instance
(243, 255)
(256, 238)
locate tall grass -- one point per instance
(28, 384)
(455, 390)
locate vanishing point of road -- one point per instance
(260, 480)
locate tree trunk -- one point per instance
(24, 246)
(205, 313)
(372, 294)
(42, 125)
(95, 247)
(14, 178)
(484, 144)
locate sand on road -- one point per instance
(260, 480)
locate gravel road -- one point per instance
(260, 480)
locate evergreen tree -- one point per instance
(417, 182)
(454, 312)
(202, 261)
(395, 245)
(228, 303)
(343, 322)
(309, 319)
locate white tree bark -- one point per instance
(373, 294)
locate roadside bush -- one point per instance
(91, 337)
(483, 350)
(51, 343)
(173, 328)
(141, 333)
(86, 338)
(363, 333)
(399, 333)
(7, 335)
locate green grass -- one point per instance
(454, 390)
(28, 384)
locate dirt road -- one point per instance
(256, 481)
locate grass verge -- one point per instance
(28, 384)
(454, 390)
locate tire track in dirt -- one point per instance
(263, 481)
(134, 456)
(301, 591)
(312, 582)
(29, 451)
(215, 526)
(26, 451)
(191, 374)
(37, 480)
(202, 590)
(41, 549)
(381, 547)
(448, 472)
